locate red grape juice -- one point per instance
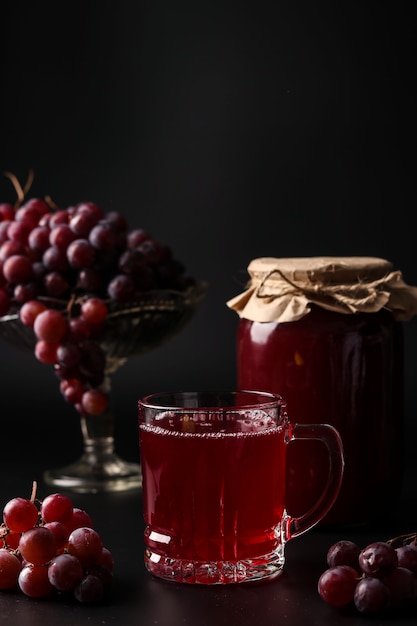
(212, 491)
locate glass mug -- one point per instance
(214, 484)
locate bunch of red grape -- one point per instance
(378, 578)
(90, 261)
(50, 549)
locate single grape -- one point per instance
(94, 311)
(17, 268)
(61, 236)
(79, 329)
(59, 217)
(68, 354)
(105, 575)
(90, 280)
(86, 544)
(30, 310)
(65, 572)
(90, 590)
(29, 215)
(102, 236)
(46, 351)
(337, 585)
(19, 232)
(55, 259)
(106, 559)
(378, 559)
(407, 557)
(121, 288)
(38, 545)
(20, 514)
(24, 292)
(10, 567)
(38, 239)
(60, 532)
(11, 540)
(81, 254)
(7, 211)
(79, 519)
(343, 552)
(56, 507)
(136, 236)
(33, 581)
(55, 284)
(50, 325)
(82, 222)
(402, 585)
(94, 402)
(371, 596)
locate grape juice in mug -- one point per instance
(214, 488)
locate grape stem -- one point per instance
(20, 192)
(34, 489)
(403, 539)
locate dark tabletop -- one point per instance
(140, 599)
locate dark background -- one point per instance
(229, 131)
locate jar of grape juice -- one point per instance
(326, 334)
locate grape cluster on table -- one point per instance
(90, 260)
(378, 578)
(50, 549)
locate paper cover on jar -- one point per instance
(282, 289)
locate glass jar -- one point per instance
(326, 334)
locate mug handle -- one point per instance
(295, 526)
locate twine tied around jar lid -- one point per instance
(282, 289)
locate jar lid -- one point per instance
(282, 289)
(320, 268)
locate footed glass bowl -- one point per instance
(131, 329)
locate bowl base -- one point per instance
(111, 474)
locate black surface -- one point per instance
(139, 598)
(229, 131)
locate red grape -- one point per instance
(90, 590)
(94, 311)
(34, 581)
(30, 310)
(81, 254)
(38, 545)
(337, 585)
(10, 567)
(46, 351)
(7, 211)
(94, 402)
(50, 325)
(378, 559)
(56, 508)
(65, 572)
(20, 514)
(79, 518)
(17, 268)
(343, 553)
(407, 557)
(38, 239)
(85, 543)
(371, 596)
